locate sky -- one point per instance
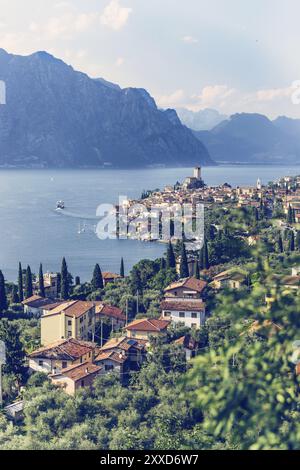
(230, 55)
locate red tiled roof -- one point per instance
(73, 308)
(187, 342)
(183, 305)
(65, 350)
(112, 356)
(79, 372)
(107, 275)
(36, 301)
(151, 325)
(124, 344)
(110, 311)
(189, 283)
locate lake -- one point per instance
(32, 231)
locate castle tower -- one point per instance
(258, 185)
(197, 173)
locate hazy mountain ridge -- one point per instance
(203, 120)
(253, 138)
(58, 117)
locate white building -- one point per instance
(190, 313)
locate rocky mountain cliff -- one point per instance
(57, 117)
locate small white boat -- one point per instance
(60, 205)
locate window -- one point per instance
(41, 363)
(69, 334)
(64, 365)
(181, 314)
(82, 383)
(194, 315)
(109, 367)
(167, 314)
(69, 322)
(194, 325)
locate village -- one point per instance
(113, 324)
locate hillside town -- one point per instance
(284, 193)
(71, 337)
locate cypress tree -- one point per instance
(65, 281)
(171, 260)
(3, 298)
(28, 283)
(292, 241)
(280, 244)
(197, 270)
(15, 297)
(122, 269)
(290, 215)
(205, 256)
(163, 264)
(184, 267)
(20, 284)
(97, 281)
(41, 282)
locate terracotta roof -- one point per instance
(149, 325)
(112, 356)
(110, 311)
(187, 342)
(79, 372)
(124, 344)
(189, 283)
(36, 301)
(65, 350)
(230, 274)
(291, 281)
(78, 309)
(107, 275)
(73, 308)
(183, 305)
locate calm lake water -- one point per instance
(31, 231)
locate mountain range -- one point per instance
(203, 120)
(253, 138)
(55, 116)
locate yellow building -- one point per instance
(74, 319)
(146, 328)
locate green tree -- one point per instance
(280, 248)
(10, 335)
(28, 283)
(122, 269)
(20, 283)
(171, 260)
(41, 282)
(205, 257)
(247, 383)
(15, 296)
(3, 297)
(291, 242)
(197, 270)
(65, 280)
(97, 281)
(184, 267)
(290, 215)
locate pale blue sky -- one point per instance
(232, 55)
